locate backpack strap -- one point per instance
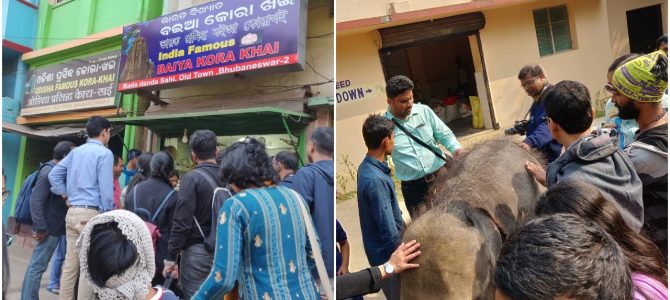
(207, 177)
(165, 199)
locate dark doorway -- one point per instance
(645, 25)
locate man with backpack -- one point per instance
(89, 189)
(48, 215)
(192, 223)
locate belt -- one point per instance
(93, 207)
(428, 178)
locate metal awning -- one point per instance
(258, 120)
(53, 132)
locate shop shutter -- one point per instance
(428, 31)
(552, 28)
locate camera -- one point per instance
(611, 132)
(518, 128)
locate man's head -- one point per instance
(174, 178)
(133, 155)
(321, 145)
(562, 256)
(285, 160)
(118, 166)
(662, 43)
(399, 96)
(378, 134)
(638, 84)
(568, 108)
(98, 128)
(532, 79)
(625, 106)
(203, 145)
(62, 149)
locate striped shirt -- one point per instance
(262, 244)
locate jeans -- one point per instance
(57, 264)
(36, 267)
(194, 267)
(414, 193)
(74, 224)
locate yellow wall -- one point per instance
(358, 62)
(618, 29)
(348, 10)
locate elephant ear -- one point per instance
(492, 234)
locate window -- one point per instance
(552, 28)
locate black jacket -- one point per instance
(47, 210)
(195, 199)
(150, 194)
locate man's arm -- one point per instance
(442, 133)
(183, 220)
(106, 180)
(57, 176)
(382, 214)
(539, 137)
(41, 194)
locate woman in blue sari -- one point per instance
(261, 237)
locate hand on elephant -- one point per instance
(403, 255)
(537, 172)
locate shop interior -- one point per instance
(443, 75)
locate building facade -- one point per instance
(478, 47)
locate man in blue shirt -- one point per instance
(416, 165)
(378, 209)
(130, 169)
(84, 179)
(536, 85)
(314, 182)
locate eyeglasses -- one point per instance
(5, 194)
(610, 89)
(529, 82)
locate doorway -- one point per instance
(444, 76)
(645, 25)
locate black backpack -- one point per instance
(22, 209)
(217, 203)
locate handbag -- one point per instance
(316, 248)
(422, 143)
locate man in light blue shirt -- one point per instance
(85, 179)
(416, 166)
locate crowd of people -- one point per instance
(234, 225)
(606, 200)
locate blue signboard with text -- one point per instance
(213, 39)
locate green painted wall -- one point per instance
(75, 19)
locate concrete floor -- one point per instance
(18, 263)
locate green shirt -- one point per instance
(413, 161)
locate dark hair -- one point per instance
(246, 164)
(203, 144)
(62, 149)
(162, 166)
(95, 125)
(133, 153)
(322, 138)
(585, 200)
(143, 170)
(287, 159)
(110, 253)
(661, 39)
(397, 85)
(375, 129)
(117, 158)
(173, 173)
(568, 103)
(660, 69)
(562, 255)
(621, 60)
(533, 70)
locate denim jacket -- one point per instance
(378, 210)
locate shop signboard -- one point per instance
(208, 41)
(77, 84)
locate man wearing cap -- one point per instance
(638, 87)
(130, 169)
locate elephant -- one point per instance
(469, 210)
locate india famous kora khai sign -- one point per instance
(210, 40)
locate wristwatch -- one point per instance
(388, 268)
